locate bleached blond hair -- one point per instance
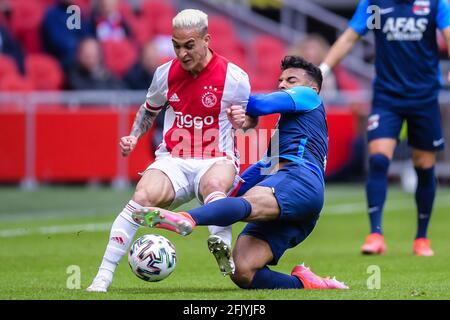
(190, 19)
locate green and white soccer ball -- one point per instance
(152, 257)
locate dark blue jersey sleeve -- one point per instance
(359, 20)
(297, 99)
(443, 15)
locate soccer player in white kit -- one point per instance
(197, 157)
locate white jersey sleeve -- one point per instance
(157, 92)
(242, 82)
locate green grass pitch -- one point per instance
(44, 232)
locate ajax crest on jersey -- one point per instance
(152, 257)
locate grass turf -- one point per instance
(45, 231)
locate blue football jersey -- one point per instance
(302, 132)
(407, 57)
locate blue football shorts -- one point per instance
(299, 191)
(423, 124)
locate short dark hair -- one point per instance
(298, 62)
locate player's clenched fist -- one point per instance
(127, 144)
(236, 115)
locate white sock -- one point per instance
(122, 233)
(224, 232)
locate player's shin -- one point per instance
(220, 239)
(225, 233)
(223, 212)
(122, 233)
(425, 194)
(376, 189)
(265, 278)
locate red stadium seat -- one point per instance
(260, 83)
(221, 28)
(15, 82)
(345, 80)
(119, 56)
(159, 14)
(46, 3)
(232, 47)
(2, 19)
(264, 44)
(141, 29)
(268, 52)
(154, 8)
(44, 72)
(267, 49)
(7, 66)
(239, 59)
(26, 18)
(126, 11)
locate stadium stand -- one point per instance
(7, 66)
(25, 20)
(159, 15)
(39, 28)
(253, 44)
(119, 55)
(44, 72)
(16, 83)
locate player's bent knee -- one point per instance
(214, 184)
(242, 279)
(145, 198)
(243, 274)
(140, 196)
(423, 162)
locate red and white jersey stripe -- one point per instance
(196, 123)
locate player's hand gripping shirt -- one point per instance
(196, 123)
(407, 57)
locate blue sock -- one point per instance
(425, 192)
(223, 212)
(267, 279)
(376, 189)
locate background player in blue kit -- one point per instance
(282, 209)
(406, 88)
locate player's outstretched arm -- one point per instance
(343, 45)
(297, 99)
(443, 23)
(142, 123)
(446, 33)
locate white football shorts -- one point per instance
(185, 175)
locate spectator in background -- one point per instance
(314, 48)
(107, 22)
(10, 47)
(141, 74)
(89, 73)
(57, 39)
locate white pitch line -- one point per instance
(60, 214)
(62, 229)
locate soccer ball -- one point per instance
(152, 257)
